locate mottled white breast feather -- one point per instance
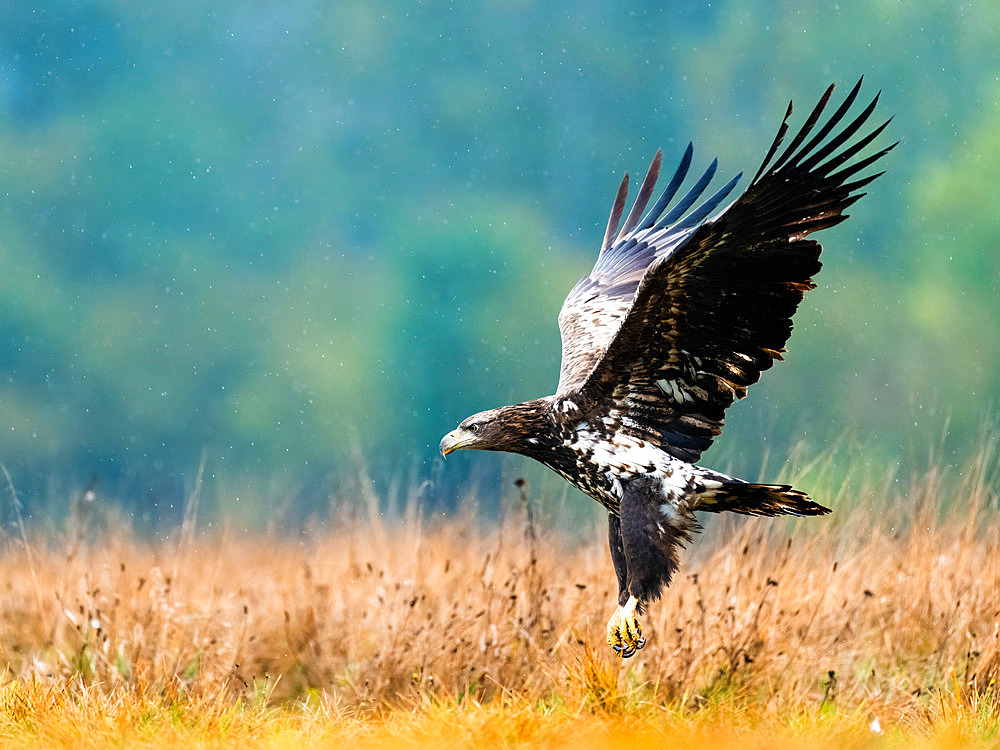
(624, 456)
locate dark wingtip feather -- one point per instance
(835, 118)
(670, 190)
(616, 214)
(806, 128)
(709, 205)
(842, 137)
(782, 129)
(642, 198)
(692, 195)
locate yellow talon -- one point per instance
(624, 630)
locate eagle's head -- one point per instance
(506, 428)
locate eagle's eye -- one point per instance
(474, 428)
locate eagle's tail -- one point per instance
(760, 500)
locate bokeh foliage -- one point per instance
(278, 235)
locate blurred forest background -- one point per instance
(275, 239)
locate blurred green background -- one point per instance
(286, 238)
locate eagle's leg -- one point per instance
(648, 557)
(624, 631)
(618, 556)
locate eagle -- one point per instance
(680, 315)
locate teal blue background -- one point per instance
(291, 241)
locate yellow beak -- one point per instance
(457, 438)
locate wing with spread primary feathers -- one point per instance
(596, 306)
(681, 315)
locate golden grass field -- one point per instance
(878, 626)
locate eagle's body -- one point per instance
(679, 316)
(596, 457)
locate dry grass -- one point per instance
(422, 633)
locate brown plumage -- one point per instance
(679, 316)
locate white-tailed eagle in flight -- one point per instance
(680, 315)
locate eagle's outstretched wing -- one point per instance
(680, 315)
(596, 306)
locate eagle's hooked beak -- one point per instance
(457, 438)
